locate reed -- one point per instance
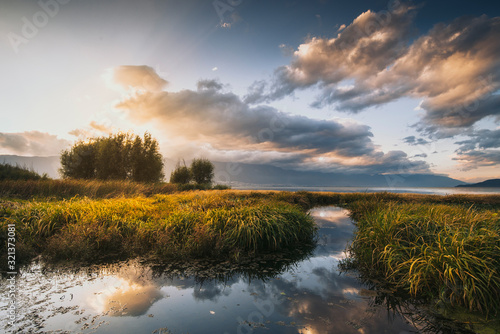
(440, 252)
(192, 224)
(440, 248)
(68, 188)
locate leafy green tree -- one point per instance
(113, 157)
(202, 170)
(116, 157)
(79, 161)
(149, 163)
(181, 174)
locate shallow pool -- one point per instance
(299, 292)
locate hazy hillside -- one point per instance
(269, 175)
(494, 183)
(41, 165)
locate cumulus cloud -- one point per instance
(137, 77)
(209, 84)
(222, 120)
(33, 143)
(367, 46)
(454, 69)
(226, 121)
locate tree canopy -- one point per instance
(181, 174)
(122, 156)
(201, 172)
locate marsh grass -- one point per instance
(444, 249)
(192, 224)
(439, 252)
(68, 188)
(65, 189)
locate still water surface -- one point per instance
(400, 190)
(287, 293)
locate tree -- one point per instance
(116, 157)
(202, 170)
(181, 174)
(146, 161)
(112, 162)
(79, 162)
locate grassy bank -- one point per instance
(45, 189)
(189, 224)
(441, 248)
(445, 253)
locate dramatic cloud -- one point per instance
(454, 69)
(221, 120)
(475, 159)
(482, 149)
(481, 139)
(33, 143)
(366, 47)
(457, 71)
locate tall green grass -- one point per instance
(68, 188)
(441, 248)
(193, 224)
(445, 253)
(59, 189)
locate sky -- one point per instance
(377, 87)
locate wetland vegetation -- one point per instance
(443, 251)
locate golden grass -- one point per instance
(443, 248)
(185, 224)
(450, 253)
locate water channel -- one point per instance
(300, 292)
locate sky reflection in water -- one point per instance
(279, 294)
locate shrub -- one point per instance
(202, 170)
(181, 174)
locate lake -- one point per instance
(411, 190)
(300, 292)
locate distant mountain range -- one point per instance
(239, 174)
(494, 183)
(275, 176)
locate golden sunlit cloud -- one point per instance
(93, 130)
(453, 69)
(221, 119)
